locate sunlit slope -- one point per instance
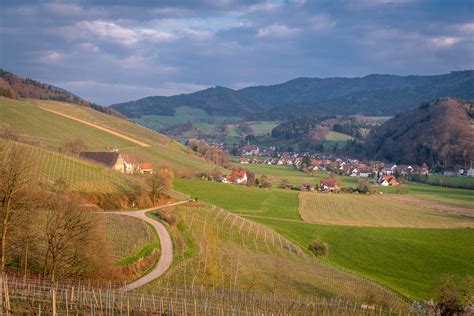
(50, 123)
(79, 175)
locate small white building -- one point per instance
(470, 172)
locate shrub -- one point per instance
(166, 216)
(319, 248)
(452, 293)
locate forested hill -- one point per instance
(14, 87)
(382, 95)
(440, 133)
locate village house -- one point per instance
(388, 181)
(117, 161)
(244, 161)
(250, 151)
(132, 166)
(111, 160)
(146, 168)
(329, 185)
(237, 177)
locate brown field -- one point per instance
(370, 210)
(446, 207)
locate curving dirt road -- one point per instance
(166, 247)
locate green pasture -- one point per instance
(443, 194)
(182, 115)
(243, 200)
(409, 260)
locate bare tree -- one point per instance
(71, 239)
(16, 171)
(159, 183)
(319, 133)
(73, 146)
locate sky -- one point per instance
(110, 51)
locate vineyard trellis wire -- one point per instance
(38, 296)
(80, 175)
(232, 251)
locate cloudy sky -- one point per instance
(110, 51)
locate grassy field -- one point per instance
(443, 194)
(260, 128)
(241, 199)
(336, 136)
(182, 115)
(371, 210)
(409, 260)
(216, 248)
(278, 173)
(50, 129)
(27, 118)
(451, 181)
(130, 238)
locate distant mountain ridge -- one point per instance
(14, 87)
(439, 133)
(377, 95)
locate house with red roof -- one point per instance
(328, 185)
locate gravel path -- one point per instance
(166, 244)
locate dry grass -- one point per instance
(218, 249)
(446, 207)
(369, 210)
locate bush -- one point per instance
(453, 293)
(168, 217)
(319, 248)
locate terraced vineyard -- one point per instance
(32, 120)
(218, 249)
(78, 174)
(369, 210)
(128, 236)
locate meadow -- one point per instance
(435, 193)
(241, 199)
(276, 174)
(373, 210)
(462, 182)
(183, 114)
(409, 260)
(262, 128)
(336, 136)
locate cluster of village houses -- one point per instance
(118, 162)
(385, 174)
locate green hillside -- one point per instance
(33, 120)
(78, 174)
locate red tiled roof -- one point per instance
(146, 166)
(330, 183)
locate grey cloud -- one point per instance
(111, 51)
